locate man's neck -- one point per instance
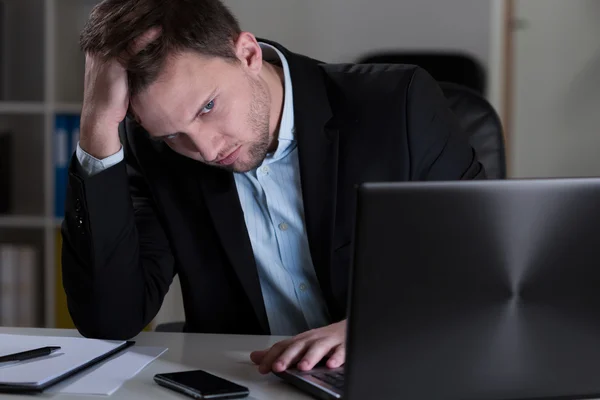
(275, 79)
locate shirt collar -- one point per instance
(286, 136)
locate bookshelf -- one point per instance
(41, 76)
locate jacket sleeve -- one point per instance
(438, 147)
(116, 261)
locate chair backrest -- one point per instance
(453, 67)
(481, 124)
(463, 80)
(177, 326)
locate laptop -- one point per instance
(471, 290)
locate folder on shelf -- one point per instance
(74, 134)
(19, 301)
(36, 375)
(61, 160)
(8, 284)
(63, 317)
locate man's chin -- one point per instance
(242, 167)
(238, 167)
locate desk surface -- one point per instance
(223, 355)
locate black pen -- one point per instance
(29, 354)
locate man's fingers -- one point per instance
(317, 351)
(338, 358)
(271, 356)
(139, 44)
(145, 39)
(257, 356)
(290, 356)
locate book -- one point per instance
(6, 171)
(28, 299)
(20, 301)
(74, 121)
(63, 317)
(9, 254)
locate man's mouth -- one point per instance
(231, 158)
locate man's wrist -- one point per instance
(90, 165)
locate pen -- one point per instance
(29, 354)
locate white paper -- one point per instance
(74, 353)
(109, 376)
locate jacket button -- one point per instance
(77, 205)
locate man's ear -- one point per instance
(249, 53)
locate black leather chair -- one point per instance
(456, 67)
(463, 80)
(481, 124)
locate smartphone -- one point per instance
(201, 385)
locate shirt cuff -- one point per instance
(90, 165)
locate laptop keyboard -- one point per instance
(335, 379)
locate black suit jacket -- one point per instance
(129, 229)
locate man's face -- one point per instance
(210, 110)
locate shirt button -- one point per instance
(303, 287)
(283, 226)
(265, 170)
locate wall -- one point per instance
(556, 130)
(21, 31)
(344, 30)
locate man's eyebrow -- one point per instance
(202, 105)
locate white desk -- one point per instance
(224, 355)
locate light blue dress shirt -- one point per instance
(271, 199)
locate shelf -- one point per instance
(21, 108)
(18, 221)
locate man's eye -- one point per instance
(208, 108)
(172, 136)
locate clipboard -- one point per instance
(52, 370)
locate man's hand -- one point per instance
(106, 100)
(306, 350)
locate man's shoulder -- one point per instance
(369, 72)
(380, 80)
(352, 77)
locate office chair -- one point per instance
(481, 124)
(463, 81)
(443, 66)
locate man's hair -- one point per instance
(204, 26)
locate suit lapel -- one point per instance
(220, 193)
(318, 157)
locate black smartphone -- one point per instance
(201, 385)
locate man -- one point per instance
(232, 162)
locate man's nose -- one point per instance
(207, 146)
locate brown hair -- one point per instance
(204, 26)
